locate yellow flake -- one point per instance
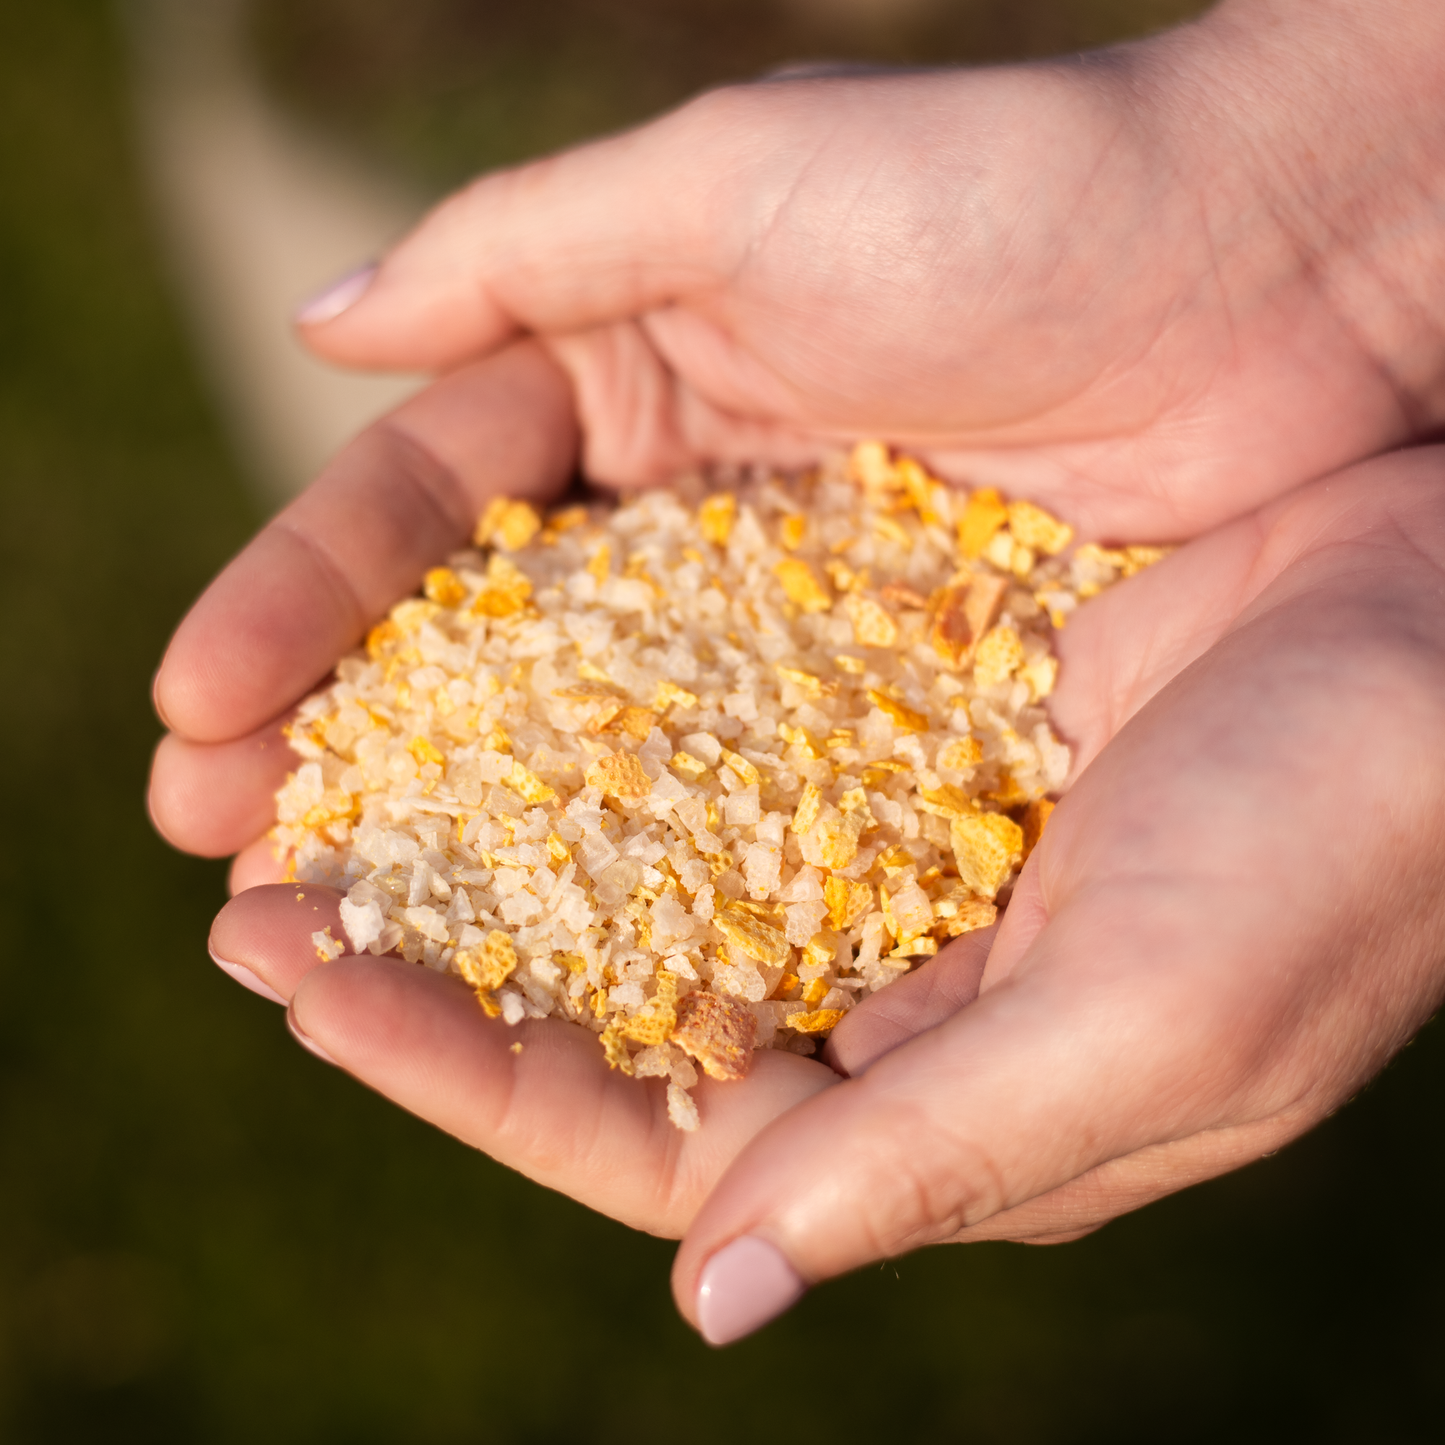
(490, 1006)
(841, 575)
(600, 563)
(1007, 793)
(636, 722)
(382, 636)
(1040, 674)
(905, 717)
(840, 738)
(444, 587)
(791, 529)
(588, 690)
(589, 672)
(620, 776)
(961, 754)
(959, 912)
(567, 518)
(487, 966)
(507, 524)
(516, 1048)
(916, 483)
(557, 848)
(786, 985)
(822, 948)
(809, 806)
(506, 591)
(923, 947)
(529, 786)
(854, 666)
(1033, 527)
(424, 752)
(855, 800)
(411, 612)
(1036, 817)
(752, 936)
(614, 1050)
(838, 839)
(691, 768)
(669, 693)
(743, 768)
(982, 517)
(871, 467)
(800, 586)
(987, 848)
(799, 738)
(572, 962)
(815, 992)
(894, 860)
(1021, 562)
(1136, 558)
(654, 1023)
(716, 516)
(813, 686)
(946, 802)
(820, 1021)
(872, 624)
(906, 913)
(998, 655)
(875, 775)
(888, 529)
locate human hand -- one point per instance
(1192, 970)
(1151, 287)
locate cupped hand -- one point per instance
(1230, 924)
(1152, 287)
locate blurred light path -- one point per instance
(257, 215)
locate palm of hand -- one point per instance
(1174, 966)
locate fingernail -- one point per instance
(337, 297)
(245, 977)
(743, 1286)
(307, 1042)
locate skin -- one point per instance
(1233, 919)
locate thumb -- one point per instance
(596, 234)
(1053, 1072)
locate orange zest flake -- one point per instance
(507, 524)
(444, 587)
(800, 586)
(425, 752)
(982, 517)
(819, 1021)
(903, 715)
(716, 516)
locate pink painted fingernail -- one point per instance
(245, 977)
(743, 1286)
(337, 297)
(307, 1042)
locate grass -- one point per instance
(206, 1235)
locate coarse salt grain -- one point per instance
(699, 772)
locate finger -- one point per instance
(255, 866)
(214, 798)
(916, 1003)
(598, 233)
(264, 934)
(1009, 1099)
(551, 1108)
(394, 502)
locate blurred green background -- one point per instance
(206, 1235)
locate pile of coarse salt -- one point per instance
(700, 771)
